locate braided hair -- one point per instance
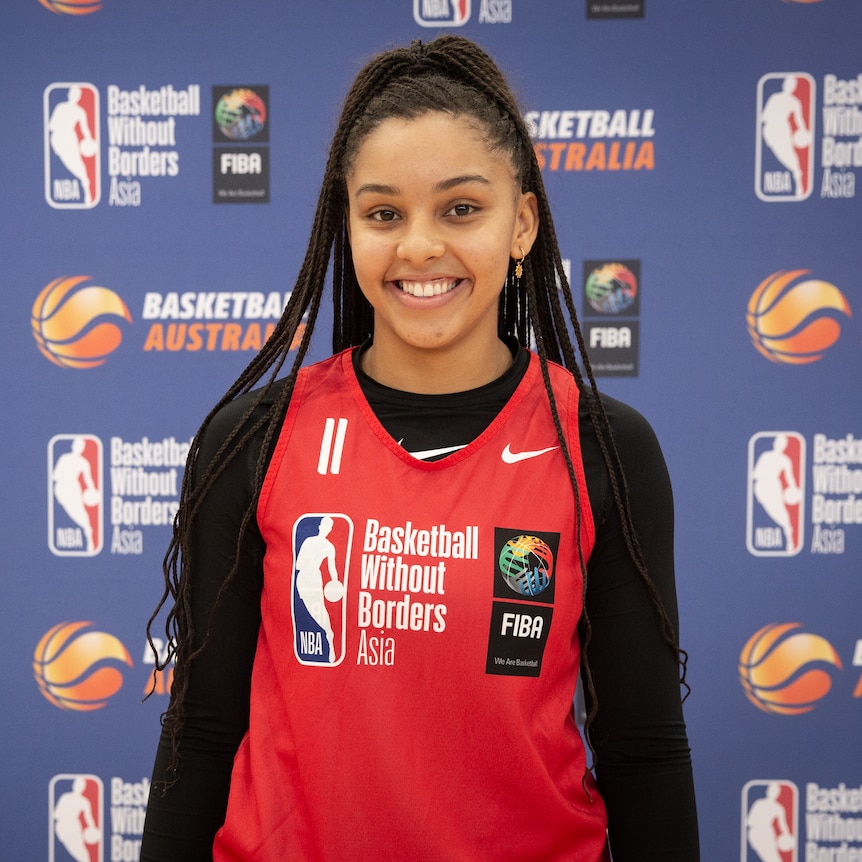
(449, 74)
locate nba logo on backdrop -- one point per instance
(72, 150)
(75, 495)
(441, 13)
(321, 555)
(776, 494)
(770, 822)
(76, 819)
(785, 137)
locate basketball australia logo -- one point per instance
(321, 556)
(794, 320)
(785, 670)
(73, 323)
(524, 588)
(79, 669)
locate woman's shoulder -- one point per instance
(239, 416)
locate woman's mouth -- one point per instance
(437, 287)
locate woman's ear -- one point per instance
(526, 225)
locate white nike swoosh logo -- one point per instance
(431, 453)
(510, 457)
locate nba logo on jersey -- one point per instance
(776, 494)
(769, 822)
(321, 557)
(75, 499)
(75, 817)
(785, 137)
(72, 151)
(441, 13)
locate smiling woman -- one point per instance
(389, 568)
(431, 246)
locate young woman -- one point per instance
(390, 567)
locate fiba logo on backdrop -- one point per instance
(786, 671)
(611, 288)
(770, 821)
(785, 137)
(72, 322)
(795, 320)
(612, 292)
(72, 148)
(76, 815)
(75, 495)
(240, 119)
(79, 669)
(776, 494)
(240, 113)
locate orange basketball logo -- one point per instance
(77, 670)
(778, 670)
(789, 322)
(72, 7)
(68, 324)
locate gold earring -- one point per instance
(519, 266)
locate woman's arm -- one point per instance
(643, 764)
(181, 824)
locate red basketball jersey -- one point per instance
(418, 653)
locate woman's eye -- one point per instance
(384, 215)
(462, 209)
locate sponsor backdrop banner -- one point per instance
(703, 161)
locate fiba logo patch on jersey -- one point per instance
(75, 495)
(776, 494)
(321, 558)
(441, 13)
(72, 146)
(76, 819)
(524, 589)
(785, 136)
(770, 822)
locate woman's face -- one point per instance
(434, 217)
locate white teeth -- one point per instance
(428, 288)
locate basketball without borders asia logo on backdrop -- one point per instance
(72, 146)
(75, 495)
(76, 817)
(785, 137)
(770, 822)
(142, 142)
(776, 494)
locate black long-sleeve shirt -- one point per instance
(643, 764)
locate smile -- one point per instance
(429, 288)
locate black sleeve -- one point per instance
(180, 825)
(643, 762)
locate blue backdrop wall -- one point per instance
(702, 159)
